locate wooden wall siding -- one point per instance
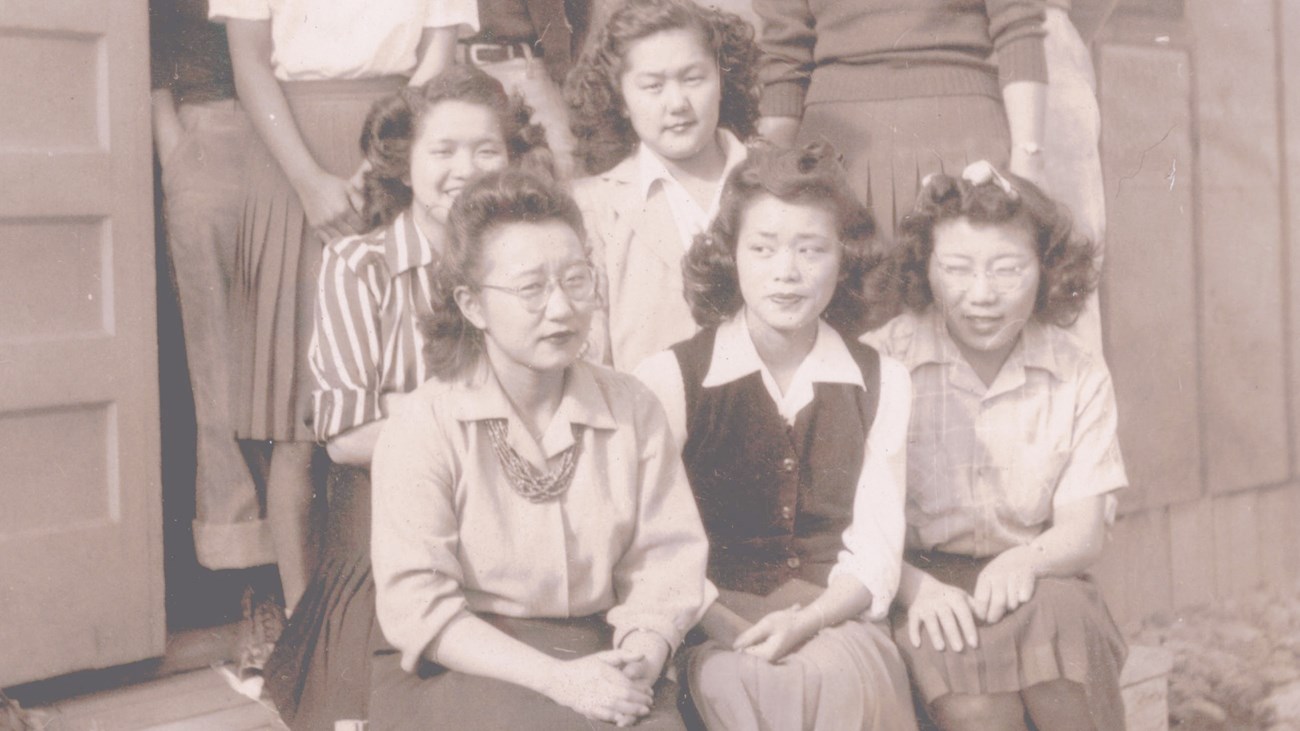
(1239, 214)
(1288, 30)
(1148, 166)
(1202, 300)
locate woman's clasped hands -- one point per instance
(948, 614)
(615, 686)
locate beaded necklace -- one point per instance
(531, 483)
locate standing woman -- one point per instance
(905, 88)
(795, 440)
(307, 72)
(423, 145)
(659, 104)
(537, 553)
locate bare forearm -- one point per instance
(1075, 540)
(470, 645)
(845, 598)
(355, 446)
(437, 52)
(264, 100)
(1026, 104)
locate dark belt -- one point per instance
(483, 53)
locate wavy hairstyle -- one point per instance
(393, 124)
(1067, 260)
(453, 345)
(597, 112)
(811, 175)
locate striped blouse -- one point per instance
(374, 290)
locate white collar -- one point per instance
(651, 168)
(829, 361)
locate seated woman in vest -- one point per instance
(794, 438)
(537, 554)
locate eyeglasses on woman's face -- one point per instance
(1002, 278)
(578, 282)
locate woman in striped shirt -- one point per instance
(423, 145)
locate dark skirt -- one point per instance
(319, 672)
(436, 698)
(277, 258)
(890, 145)
(1064, 632)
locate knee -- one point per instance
(961, 711)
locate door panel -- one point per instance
(80, 502)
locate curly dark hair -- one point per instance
(596, 107)
(1067, 259)
(393, 124)
(810, 175)
(453, 345)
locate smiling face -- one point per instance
(985, 281)
(788, 263)
(673, 92)
(456, 140)
(518, 256)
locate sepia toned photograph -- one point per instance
(678, 365)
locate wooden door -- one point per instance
(80, 503)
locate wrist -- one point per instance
(1035, 557)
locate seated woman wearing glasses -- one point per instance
(1012, 463)
(537, 551)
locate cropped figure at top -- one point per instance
(1071, 147)
(794, 437)
(659, 103)
(529, 46)
(1012, 463)
(537, 553)
(201, 133)
(307, 72)
(367, 354)
(905, 88)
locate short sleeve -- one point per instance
(415, 532)
(873, 542)
(345, 354)
(239, 9)
(453, 13)
(1094, 466)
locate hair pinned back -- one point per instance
(811, 175)
(494, 200)
(1066, 259)
(393, 123)
(597, 111)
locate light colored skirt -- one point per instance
(849, 677)
(278, 255)
(890, 145)
(1064, 632)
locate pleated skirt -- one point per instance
(434, 697)
(319, 672)
(1065, 632)
(849, 677)
(890, 145)
(278, 257)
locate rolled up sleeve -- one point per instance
(1016, 27)
(415, 533)
(345, 352)
(873, 542)
(660, 580)
(220, 10)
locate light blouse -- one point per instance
(873, 542)
(987, 465)
(450, 535)
(347, 39)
